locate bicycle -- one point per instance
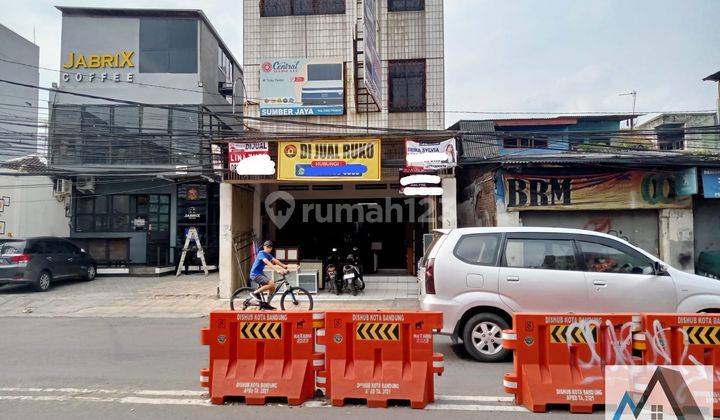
(292, 299)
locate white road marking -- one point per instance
(160, 392)
(477, 407)
(122, 400)
(172, 393)
(145, 396)
(164, 401)
(477, 398)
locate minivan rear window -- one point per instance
(12, 247)
(481, 249)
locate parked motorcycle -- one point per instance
(332, 279)
(355, 254)
(352, 280)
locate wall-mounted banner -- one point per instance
(301, 86)
(372, 68)
(430, 156)
(686, 182)
(325, 160)
(711, 182)
(250, 158)
(608, 191)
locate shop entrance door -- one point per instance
(156, 209)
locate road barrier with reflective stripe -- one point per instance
(682, 339)
(371, 355)
(559, 358)
(377, 356)
(262, 354)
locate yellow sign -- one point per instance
(377, 331)
(261, 330)
(575, 334)
(96, 61)
(709, 335)
(324, 160)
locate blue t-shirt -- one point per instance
(259, 265)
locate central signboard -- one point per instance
(302, 86)
(329, 160)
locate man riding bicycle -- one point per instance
(264, 259)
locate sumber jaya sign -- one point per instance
(618, 190)
(301, 86)
(430, 156)
(329, 160)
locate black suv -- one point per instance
(42, 260)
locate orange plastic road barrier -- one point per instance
(380, 356)
(682, 339)
(560, 358)
(262, 354)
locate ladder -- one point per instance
(192, 235)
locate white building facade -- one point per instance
(371, 63)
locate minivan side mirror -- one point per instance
(660, 269)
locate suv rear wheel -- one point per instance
(482, 337)
(42, 284)
(90, 273)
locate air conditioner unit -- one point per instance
(63, 188)
(85, 184)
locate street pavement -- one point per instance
(147, 368)
(187, 296)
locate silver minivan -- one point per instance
(478, 277)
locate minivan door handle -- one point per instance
(600, 283)
(513, 278)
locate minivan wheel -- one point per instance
(482, 337)
(42, 284)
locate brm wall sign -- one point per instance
(325, 160)
(607, 191)
(79, 61)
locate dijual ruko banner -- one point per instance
(608, 191)
(326, 160)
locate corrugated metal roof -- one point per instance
(478, 145)
(715, 77)
(639, 158)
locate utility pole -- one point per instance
(634, 95)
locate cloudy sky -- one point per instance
(511, 55)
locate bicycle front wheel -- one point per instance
(243, 300)
(296, 299)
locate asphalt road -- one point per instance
(118, 368)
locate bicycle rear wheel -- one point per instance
(296, 299)
(243, 299)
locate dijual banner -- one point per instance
(325, 160)
(608, 191)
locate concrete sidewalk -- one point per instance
(190, 296)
